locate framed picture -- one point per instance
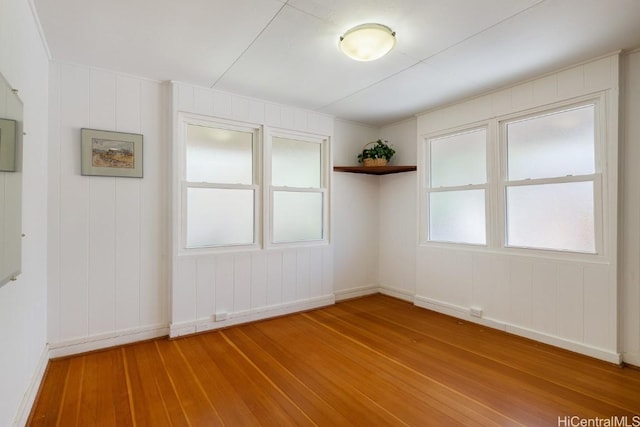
(106, 153)
(7, 145)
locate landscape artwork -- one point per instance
(108, 153)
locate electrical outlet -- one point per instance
(219, 317)
(475, 311)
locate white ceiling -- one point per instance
(286, 50)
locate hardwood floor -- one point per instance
(371, 361)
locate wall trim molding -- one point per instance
(360, 291)
(207, 323)
(463, 313)
(397, 293)
(29, 397)
(106, 340)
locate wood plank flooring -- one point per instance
(373, 361)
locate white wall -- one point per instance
(375, 216)
(569, 303)
(23, 308)
(245, 285)
(355, 215)
(398, 223)
(107, 236)
(629, 272)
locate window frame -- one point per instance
(496, 214)
(269, 189)
(596, 177)
(185, 120)
(427, 188)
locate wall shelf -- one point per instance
(374, 170)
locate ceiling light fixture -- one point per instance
(367, 42)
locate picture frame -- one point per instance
(8, 143)
(107, 153)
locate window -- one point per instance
(551, 179)
(532, 181)
(298, 188)
(238, 191)
(220, 185)
(457, 185)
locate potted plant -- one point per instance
(378, 155)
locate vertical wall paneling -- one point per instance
(570, 302)
(102, 198)
(127, 223)
(274, 278)
(520, 292)
(205, 287)
(567, 302)
(153, 207)
(491, 285)
(107, 278)
(252, 284)
(315, 272)
(259, 281)
(289, 275)
(184, 302)
(102, 256)
(630, 214)
(596, 307)
(544, 298)
(241, 282)
(225, 269)
(75, 205)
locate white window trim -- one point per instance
(324, 141)
(185, 119)
(427, 189)
(605, 172)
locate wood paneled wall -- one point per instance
(243, 285)
(569, 303)
(107, 236)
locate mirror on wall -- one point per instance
(10, 182)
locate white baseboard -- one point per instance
(111, 339)
(397, 293)
(356, 292)
(30, 394)
(207, 324)
(463, 313)
(457, 311)
(631, 358)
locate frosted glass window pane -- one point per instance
(295, 163)
(552, 216)
(219, 156)
(553, 145)
(297, 216)
(459, 159)
(219, 217)
(457, 216)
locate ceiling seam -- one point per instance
(422, 61)
(250, 44)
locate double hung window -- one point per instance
(551, 179)
(536, 185)
(238, 190)
(457, 186)
(298, 188)
(220, 188)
